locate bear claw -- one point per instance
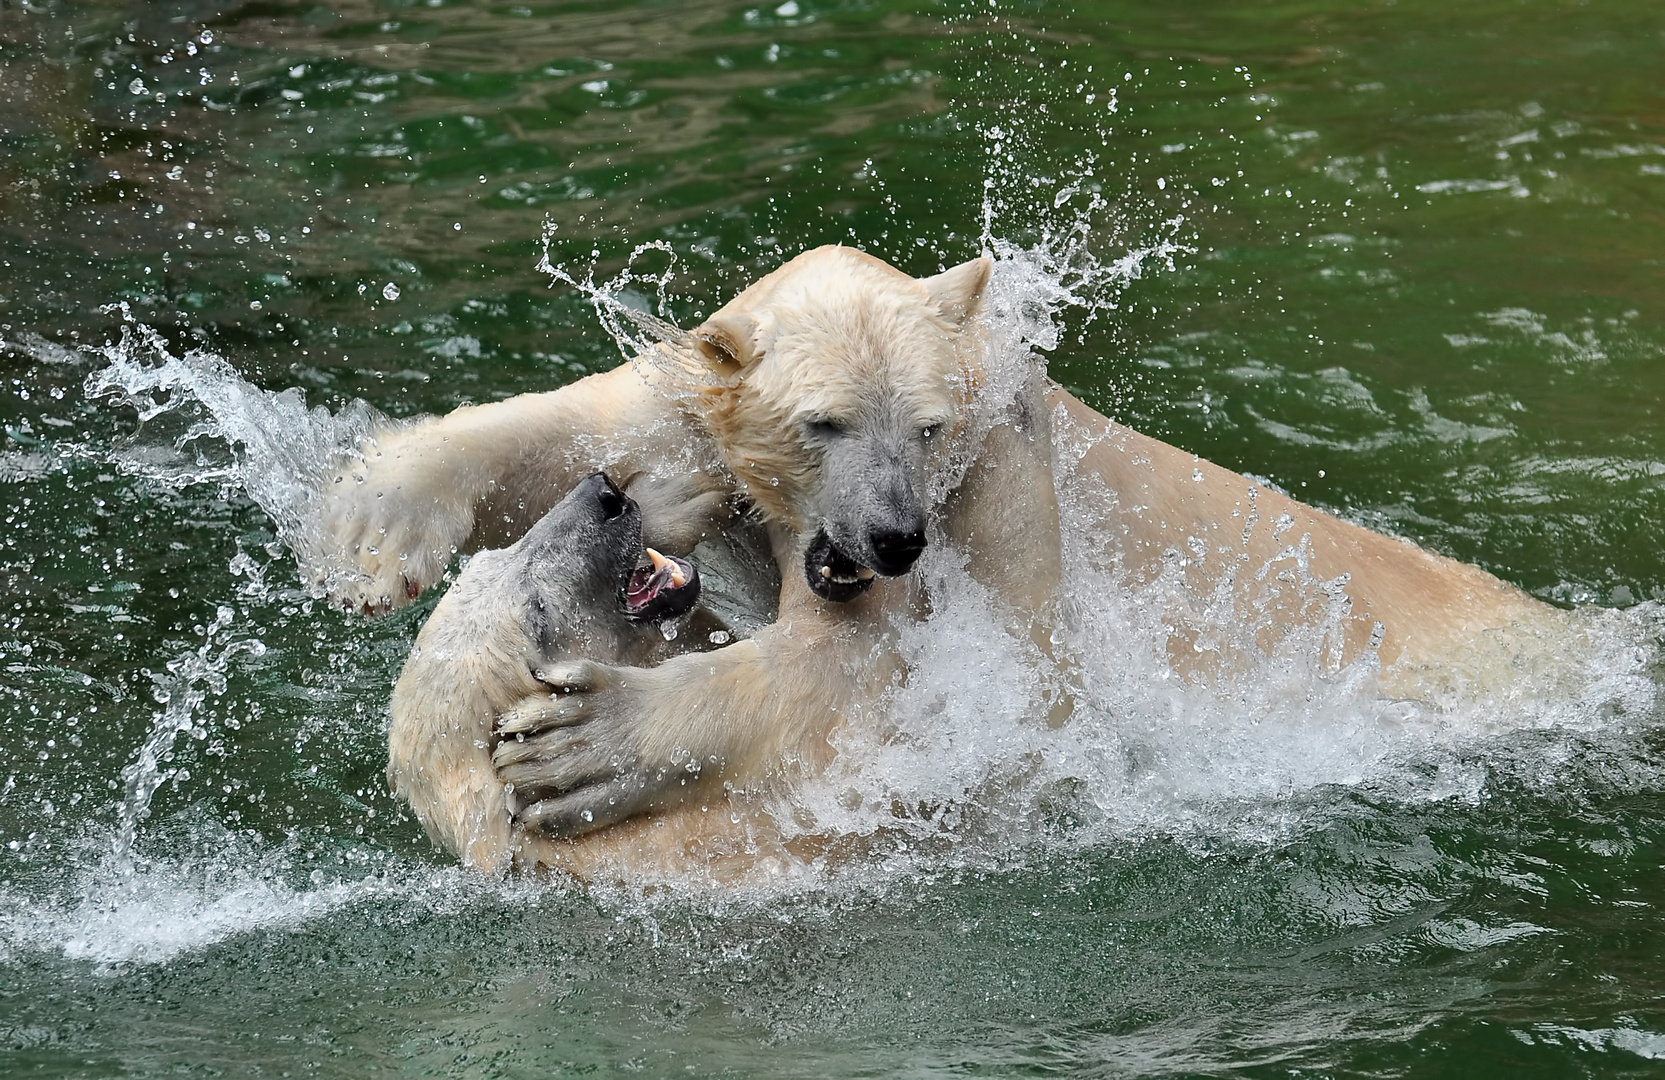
(572, 815)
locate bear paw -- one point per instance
(390, 527)
(573, 758)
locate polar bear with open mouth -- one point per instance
(580, 582)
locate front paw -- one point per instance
(574, 757)
(391, 522)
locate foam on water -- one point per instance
(1148, 752)
(155, 905)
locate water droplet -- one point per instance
(391, 291)
(137, 86)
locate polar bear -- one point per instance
(579, 582)
(856, 412)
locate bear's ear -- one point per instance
(957, 294)
(728, 341)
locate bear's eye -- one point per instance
(827, 428)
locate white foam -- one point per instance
(965, 753)
(116, 911)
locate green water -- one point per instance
(1427, 250)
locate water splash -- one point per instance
(965, 769)
(189, 680)
(151, 908)
(225, 430)
(636, 332)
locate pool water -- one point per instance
(1403, 260)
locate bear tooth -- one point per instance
(826, 571)
(678, 578)
(865, 574)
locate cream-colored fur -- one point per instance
(510, 615)
(831, 330)
(472, 662)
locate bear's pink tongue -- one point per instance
(649, 581)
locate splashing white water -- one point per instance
(1147, 751)
(279, 450)
(636, 332)
(181, 692)
(153, 907)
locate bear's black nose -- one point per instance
(895, 552)
(607, 495)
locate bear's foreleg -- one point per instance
(607, 743)
(393, 517)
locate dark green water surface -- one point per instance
(1420, 284)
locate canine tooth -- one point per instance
(865, 574)
(678, 578)
(826, 571)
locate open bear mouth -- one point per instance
(661, 588)
(833, 575)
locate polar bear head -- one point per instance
(837, 380)
(586, 579)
